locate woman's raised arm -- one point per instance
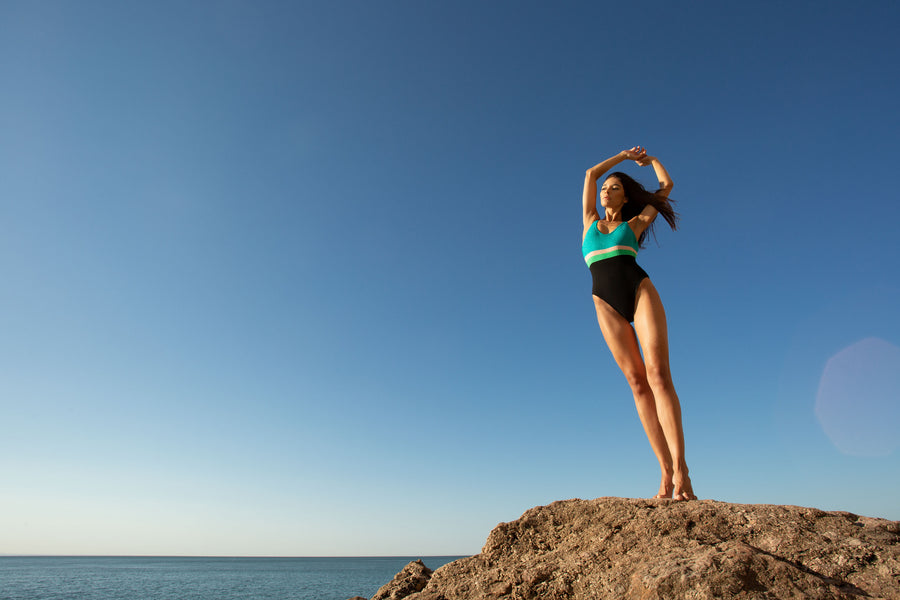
(665, 181)
(641, 222)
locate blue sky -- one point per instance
(305, 278)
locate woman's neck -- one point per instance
(613, 216)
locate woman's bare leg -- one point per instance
(651, 329)
(620, 337)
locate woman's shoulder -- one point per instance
(640, 222)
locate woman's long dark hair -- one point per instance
(638, 198)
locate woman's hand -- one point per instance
(637, 154)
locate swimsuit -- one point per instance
(614, 269)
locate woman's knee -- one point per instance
(659, 377)
(637, 381)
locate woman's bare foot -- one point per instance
(665, 488)
(683, 489)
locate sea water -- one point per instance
(158, 578)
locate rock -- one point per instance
(411, 579)
(621, 548)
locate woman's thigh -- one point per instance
(620, 338)
(652, 331)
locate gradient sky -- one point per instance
(304, 278)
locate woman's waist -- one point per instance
(592, 256)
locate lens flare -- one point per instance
(858, 402)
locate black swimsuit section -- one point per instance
(616, 282)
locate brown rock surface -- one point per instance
(621, 548)
(412, 578)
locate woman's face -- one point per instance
(612, 194)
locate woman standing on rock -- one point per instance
(623, 293)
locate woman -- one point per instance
(624, 294)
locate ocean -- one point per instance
(182, 578)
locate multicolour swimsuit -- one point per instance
(612, 259)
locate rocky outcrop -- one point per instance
(621, 548)
(410, 580)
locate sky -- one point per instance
(304, 278)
